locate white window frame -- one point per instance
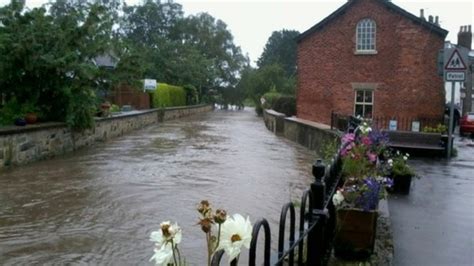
(364, 103)
(366, 36)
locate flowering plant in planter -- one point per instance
(401, 172)
(223, 232)
(399, 164)
(364, 174)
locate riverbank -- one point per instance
(22, 145)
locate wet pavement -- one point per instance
(434, 224)
(99, 205)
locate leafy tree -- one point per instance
(46, 58)
(280, 49)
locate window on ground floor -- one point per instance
(364, 103)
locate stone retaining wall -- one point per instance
(307, 133)
(21, 145)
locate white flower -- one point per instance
(407, 155)
(405, 158)
(338, 198)
(398, 152)
(164, 255)
(390, 162)
(235, 233)
(168, 232)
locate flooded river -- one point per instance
(99, 205)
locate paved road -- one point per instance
(434, 225)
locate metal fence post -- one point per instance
(316, 236)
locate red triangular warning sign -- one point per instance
(455, 62)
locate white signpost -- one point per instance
(454, 71)
(149, 84)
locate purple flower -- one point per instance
(378, 137)
(369, 199)
(388, 182)
(347, 138)
(372, 157)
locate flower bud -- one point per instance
(204, 207)
(206, 225)
(220, 216)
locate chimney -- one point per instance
(436, 21)
(465, 37)
(430, 19)
(422, 14)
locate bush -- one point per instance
(285, 105)
(168, 95)
(191, 94)
(440, 128)
(114, 108)
(9, 112)
(270, 98)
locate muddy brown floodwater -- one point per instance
(99, 205)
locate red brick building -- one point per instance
(370, 58)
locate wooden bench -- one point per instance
(416, 140)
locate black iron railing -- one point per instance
(316, 224)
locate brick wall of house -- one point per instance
(404, 67)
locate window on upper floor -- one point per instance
(365, 36)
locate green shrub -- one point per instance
(440, 128)
(259, 110)
(9, 112)
(168, 95)
(13, 110)
(285, 105)
(80, 115)
(191, 94)
(114, 108)
(270, 98)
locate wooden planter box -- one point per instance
(355, 233)
(401, 184)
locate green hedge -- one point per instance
(167, 95)
(285, 104)
(270, 98)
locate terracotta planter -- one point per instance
(401, 184)
(355, 233)
(31, 118)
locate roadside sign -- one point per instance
(415, 126)
(454, 71)
(392, 125)
(149, 84)
(455, 76)
(455, 62)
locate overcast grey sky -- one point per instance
(252, 22)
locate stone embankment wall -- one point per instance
(312, 135)
(21, 145)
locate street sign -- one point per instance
(455, 76)
(455, 62)
(454, 71)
